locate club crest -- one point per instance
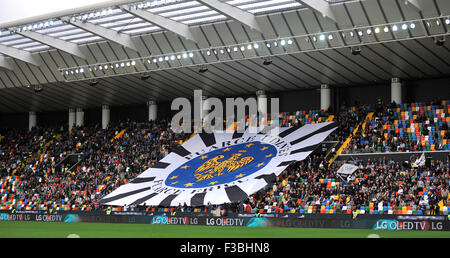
(222, 165)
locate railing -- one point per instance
(396, 156)
(361, 125)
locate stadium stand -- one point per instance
(111, 157)
(405, 127)
(33, 176)
(379, 186)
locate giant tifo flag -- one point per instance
(220, 167)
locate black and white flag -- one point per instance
(347, 169)
(220, 167)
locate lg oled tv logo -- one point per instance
(408, 225)
(208, 114)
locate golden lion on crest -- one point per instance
(213, 167)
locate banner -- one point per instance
(347, 169)
(220, 167)
(366, 221)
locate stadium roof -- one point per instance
(307, 41)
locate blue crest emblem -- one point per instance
(222, 166)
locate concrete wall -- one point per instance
(413, 91)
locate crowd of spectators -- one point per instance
(110, 157)
(348, 118)
(47, 181)
(17, 145)
(377, 183)
(140, 146)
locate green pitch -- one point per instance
(16, 229)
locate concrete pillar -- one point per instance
(72, 116)
(325, 96)
(31, 120)
(204, 110)
(152, 110)
(261, 100)
(80, 117)
(105, 116)
(396, 90)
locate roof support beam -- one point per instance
(320, 6)
(234, 13)
(56, 12)
(60, 44)
(4, 63)
(108, 34)
(165, 23)
(19, 54)
(417, 4)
